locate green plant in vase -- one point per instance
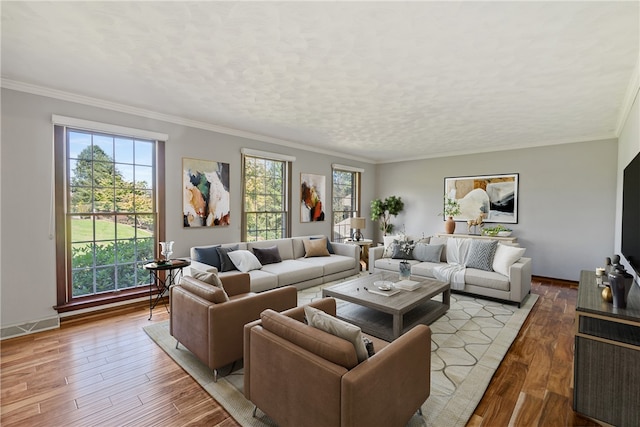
(451, 209)
(383, 210)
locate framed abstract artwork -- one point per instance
(205, 193)
(495, 197)
(312, 194)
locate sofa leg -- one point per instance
(420, 411)
(255, 408)
(177, 344)
(215, 375)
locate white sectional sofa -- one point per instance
(513, 287)
(294, 269)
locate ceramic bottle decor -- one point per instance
(620, 283)
(449, 225)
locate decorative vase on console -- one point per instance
(620, 283)
(449, 225)
(405, 270)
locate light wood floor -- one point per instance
(105, 371)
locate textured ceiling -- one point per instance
(382, 81)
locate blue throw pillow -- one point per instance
(329, 247)
(208, 256)
(225, 262)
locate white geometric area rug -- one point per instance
(468, 344)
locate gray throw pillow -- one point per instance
(402, 250)
(270, 255)
(427, 253)
(225, 262)
(207, 256)
(481, 253)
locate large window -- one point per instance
(107, 219)
(345, 203)
(266, 198)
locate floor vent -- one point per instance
(29, 328)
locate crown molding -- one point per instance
(630, 96)
(507, 148)
(127, 109)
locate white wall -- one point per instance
(567, 200)
(27, 277)
(628, 148)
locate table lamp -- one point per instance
(358, 223)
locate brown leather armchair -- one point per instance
(212, 328)
(299, 375)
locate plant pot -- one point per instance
(449, 225)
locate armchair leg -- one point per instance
(420, 411)
(177, 344)
(255, 408)
(215, 375)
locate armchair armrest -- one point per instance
(390, 385)
(197, 265)
(236, 284)
(375, 252)
(227, 320)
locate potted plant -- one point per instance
(498, 230)
(451, 209)
(382, 211)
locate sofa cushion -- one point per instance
(244, 260)
(481, 254)
(425, 269)
(315, 248)
(486, 279)
(325, 322)
(325, 345)
(291, 271)
(225, 262)
(269, 255)
(505, 257)
(333, 264)
(392, 264)
(427, 252)
(206, 290)
(208, 255)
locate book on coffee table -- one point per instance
(407, 285)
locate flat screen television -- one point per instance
(631, 213)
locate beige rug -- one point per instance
(468, 344)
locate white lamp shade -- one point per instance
(358, 223)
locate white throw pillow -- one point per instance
(244, 260)
(505, 257)
(334, 326)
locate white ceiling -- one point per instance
(382, 81)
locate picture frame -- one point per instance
(312, 195)
(495, 197)
(205, 193)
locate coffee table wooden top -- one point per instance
(403, 301)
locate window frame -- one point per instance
(285, 195)
(356, 199)
(64, 299)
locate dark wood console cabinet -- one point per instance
(607, 356)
